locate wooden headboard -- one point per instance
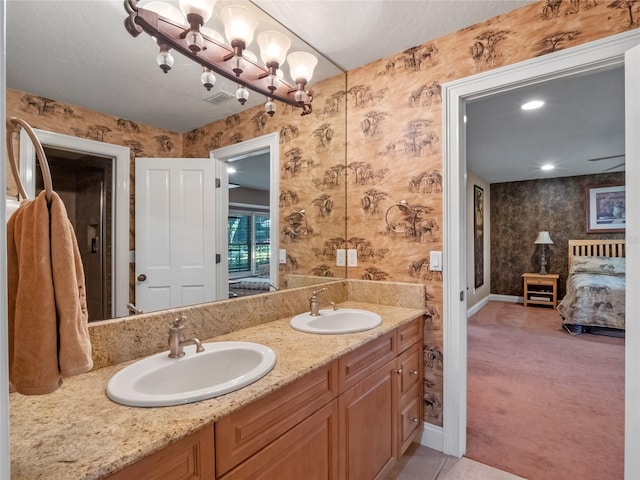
(595, 248)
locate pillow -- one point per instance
(602, 265)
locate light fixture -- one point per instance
(532, 105)
(543, 239)
(547, 166)
(184, 31)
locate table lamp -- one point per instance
(543, 239)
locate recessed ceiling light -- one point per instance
(547, 166)
(532, 105)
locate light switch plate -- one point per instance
(435, 261)
(282, 255)
(352, 257)
(341, 257)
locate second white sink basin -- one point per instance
(343, 320)
(223, 367)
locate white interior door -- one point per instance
(175, 232)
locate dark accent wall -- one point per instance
(519, 210)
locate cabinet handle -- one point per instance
(399, 371)
(413, 372)
(414, 420)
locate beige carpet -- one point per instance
(543, 404)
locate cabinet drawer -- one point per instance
(243, 433)
(357, 365)
(309, 451)
(411, 420)
(540, 281)
(410, 367)
(410, 333)
(188, 459)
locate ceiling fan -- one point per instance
(607, 158)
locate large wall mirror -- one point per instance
(84, 78)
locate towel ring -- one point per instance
(303, 226)
(40, 155)
(401, 205)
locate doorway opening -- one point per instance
(84, 184)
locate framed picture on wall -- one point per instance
(478, 236)
(605, 208)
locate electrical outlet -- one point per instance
(352, 257)
(341, 257)
(282, 255)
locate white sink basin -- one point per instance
(343, 320)
(159, 381)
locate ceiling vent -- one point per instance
(219, 97)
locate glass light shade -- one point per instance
(543, 238)
(204, 8)
(270, 107)
(212, 34)
(167, 11)
(239, 23)
(165, 59)
(242, 94)
(207, 78)
(273, 46)
(301, 65)
(194, 40)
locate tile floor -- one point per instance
(422, 463)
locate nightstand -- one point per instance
(540, 289)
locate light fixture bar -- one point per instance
(211, 56)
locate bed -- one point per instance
(595, 294)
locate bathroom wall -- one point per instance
(394, 132)
(519, 210)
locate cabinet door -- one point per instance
(188, 459)
(308, 451)
(368, 425)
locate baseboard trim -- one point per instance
(432, 437)
(506, 298)
(478, 306)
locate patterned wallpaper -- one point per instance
(520, 209)
(394, 131)
(394, 153)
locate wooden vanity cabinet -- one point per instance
(348, 420)
(380, 402)
(190, 458)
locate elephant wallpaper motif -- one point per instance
(393, 132)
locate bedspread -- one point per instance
(594, 300)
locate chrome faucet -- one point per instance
(314, 303)
(177, 341)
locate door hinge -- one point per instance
(218, 258)
(462, 295)
(217, 183)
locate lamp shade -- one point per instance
(239, 23)
(167, 11)
(543, 238)
(273, 46)
(301, 65)
(204, 8)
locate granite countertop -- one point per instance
(77, 432)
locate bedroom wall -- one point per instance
(475, 295)
(519, 210)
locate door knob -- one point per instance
(413, 372)
(398, 371)
(142, 277)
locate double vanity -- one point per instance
(334, 405)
